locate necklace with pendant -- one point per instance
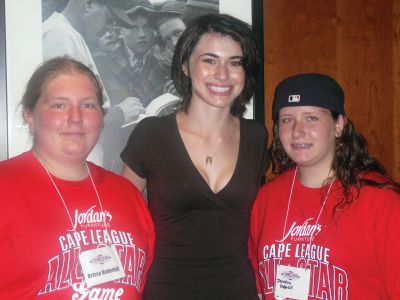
(209, 157)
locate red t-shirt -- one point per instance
(40, 244)
(356, 257)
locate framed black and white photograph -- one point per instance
(131, 55)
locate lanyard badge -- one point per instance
(98, 265)
(101, 265)
(292, 283)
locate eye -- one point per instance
(284, 120)
(237, 62)
(209, 60)
(90, 105)
(312, 118)
(58, 105)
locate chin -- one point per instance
(77, 152)
(301, 162)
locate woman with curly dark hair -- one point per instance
(327, 226)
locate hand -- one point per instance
(132, 108)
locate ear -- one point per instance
(28, 117)
(339, 125)
(185, 69)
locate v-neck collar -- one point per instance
(193, 167)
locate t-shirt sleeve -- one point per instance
(387, 224)
(135, 154)
(253, 238)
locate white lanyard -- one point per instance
(288, 208)
(95, 273)
(62, 199)
(285, 287)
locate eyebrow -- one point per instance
(216, 56)
(304, 113)
(66, 98)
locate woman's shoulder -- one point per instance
(17, 163)
(375, 176)
(154, 124)
(253, 128)
(378, 198)
(156, 121)
(278, 181)
(252, 124)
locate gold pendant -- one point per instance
(208, 160)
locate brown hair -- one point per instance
(49, 70)
(350, 162)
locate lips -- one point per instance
(219, 89)
(142, 43)
(301, 146)
(73, 134)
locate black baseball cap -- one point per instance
(311, 89)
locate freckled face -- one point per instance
(216, 71)
(307, 134)
(67, 119)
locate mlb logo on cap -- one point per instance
(294, 98)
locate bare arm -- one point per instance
(134, 178)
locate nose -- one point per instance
(298, 129)
(141, 32)
(75, 114)
(221, 72)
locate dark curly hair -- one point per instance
(351, 160)
(226, 26)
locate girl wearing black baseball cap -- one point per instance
(327, 226)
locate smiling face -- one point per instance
(307, 134)
(67, 119)
(216, 71)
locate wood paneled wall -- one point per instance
(358, 43)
